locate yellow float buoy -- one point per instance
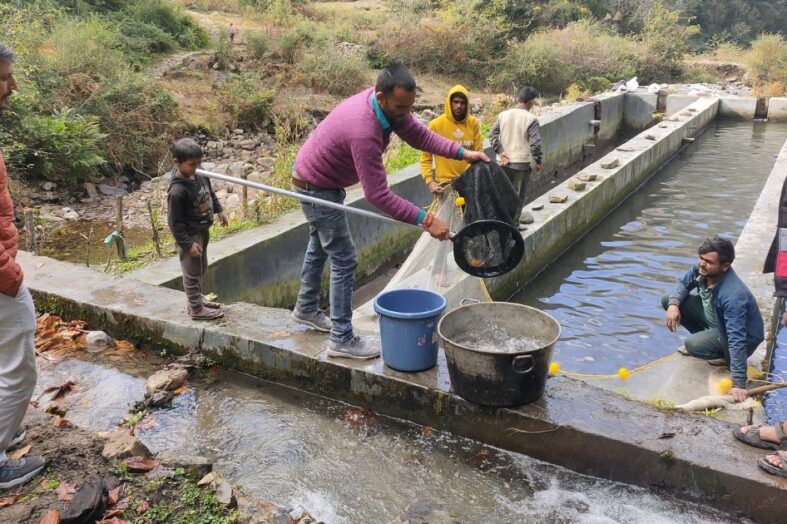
(459, 201)
(725, 385)
(554, 368)
(623, 373)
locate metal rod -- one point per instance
(305, 198)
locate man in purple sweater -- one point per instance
(347, 148)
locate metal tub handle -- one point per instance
(466, 301)
(523, 364)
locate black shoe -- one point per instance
(17, 472)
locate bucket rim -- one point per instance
(516, 353)
(412, 316)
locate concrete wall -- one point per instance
(777, 109)
(638, 109)
(263, 265)
(558, 226)
(752, 248)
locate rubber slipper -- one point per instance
(211, 305)
(775, 470)
(752, 437)
(209, 315)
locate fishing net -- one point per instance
(432, 266)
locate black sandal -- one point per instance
(752, 437)
(775, 470)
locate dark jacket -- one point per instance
(776, 262)
(191, 204)
(737, 316)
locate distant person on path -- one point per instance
(722, 316)
(191, 204)
(457, 124)
(232, 31)
(347, 148)
(17, 323)
(773, 437)
(516, 138)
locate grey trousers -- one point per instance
(519, 175)
(17, 362)
(193, 268)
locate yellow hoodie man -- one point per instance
(457, 124)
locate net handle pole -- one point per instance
(306, 198)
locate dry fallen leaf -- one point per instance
(123, 504)
(112, 497)
(19, 453)
(181, 390)
(124, 346)
(7, 501)
(139, 464)
(53, 517)
(147, 422)
(59, 422)
(143, 506)
(111, 513)
(279, 334)
(113, 520)
(427, 431)
(61, 390)
(65, 492)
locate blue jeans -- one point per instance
(329, 237)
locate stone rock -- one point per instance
(558, 199)
(576, 185)
(216, 66)
(90, 189)
(236, 168)
(248, 168)
(248, 144)
(423, 511)
(47, 186)
(208, 166)
(256, 511)
(88, 504)
(166, 380)
(225, 494)
(610, 164)
(212, 144)
(111, 190)
(238, 131)
(266, 162)
(233, 201)
(196, 466)
(70, 214)
(538, 207)
(526, 218)
(650, 137)
(121, 444)
(588, 177)
(663, 126)
(98, 341)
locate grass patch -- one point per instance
(400, 155)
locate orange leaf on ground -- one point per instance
(112, 497)
(59, 422)
(139, 464)
(122, 504)
(19, 453)
(5, 502)
(53, 517)
(181, 390)
(143, 506)
(124, 345)
(65, 491)
(112, 513)
(113, 520)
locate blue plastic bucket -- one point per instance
(408, 327)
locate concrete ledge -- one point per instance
(676, 103)
(574, 425)
(558, 226)
(741, 107)
(639, 109)
(777, 109)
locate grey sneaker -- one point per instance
(354, 348)
(317, 320)
(718, 361)
(683, 351)
(18, 437)
(17, 472)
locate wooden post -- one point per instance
(121, 245)
(30, 229)
(156, 241)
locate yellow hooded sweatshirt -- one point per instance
(466, 133)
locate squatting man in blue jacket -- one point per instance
(722, 316)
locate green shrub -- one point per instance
(377, 58)
(87, 46)
(246, 101)
(170, 18)
(257, 43)
(61, 146)
(290, 45)
(223, 51)
(553, 59)
(140, 40)
(666, 42)
(767, 62)
(333, 72)
(595, 84)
